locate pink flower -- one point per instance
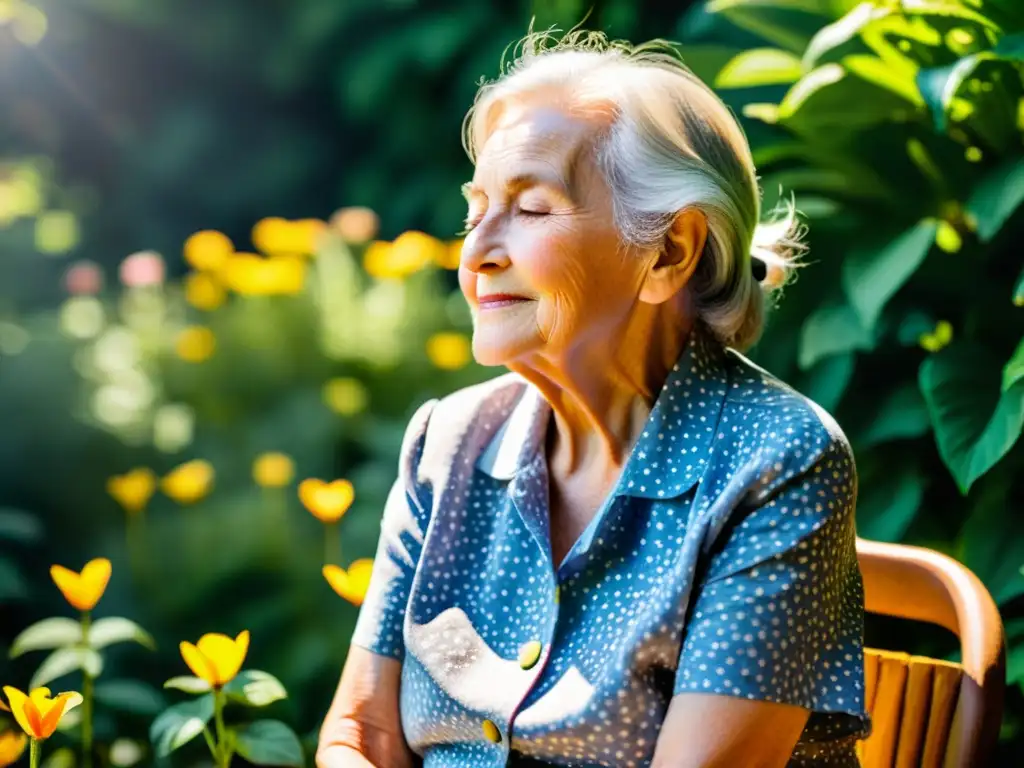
(142, 268)
(83, 278)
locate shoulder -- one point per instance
(462, 422)
(774, 431)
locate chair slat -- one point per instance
(880, 748)
(945, 692)
(917, 702)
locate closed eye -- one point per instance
(471, 225)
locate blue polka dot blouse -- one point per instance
(723, 562)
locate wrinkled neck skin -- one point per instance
(602, 389)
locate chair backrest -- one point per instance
(927, 712)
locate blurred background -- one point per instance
(227, 252)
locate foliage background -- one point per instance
(128, 126)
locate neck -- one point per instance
(602, 391)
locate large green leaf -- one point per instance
(902, 414)
(19, 527)
(116, 629)
(130, 696)
(760, 66)
(938, 85)
(831, 330)
(1013, 371)
(832, 41)
(973, 429)
(873, 276)
(789, 24)
(888, 501)
(256, 688)
(996, 197)
(65, 660)
(188, 684)
(179, 724)
(269, 742)
(47, 634)
(991, 542)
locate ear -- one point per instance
(678, 258)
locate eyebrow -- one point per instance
(566, 182)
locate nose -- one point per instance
(483, 253)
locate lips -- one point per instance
(493, 300)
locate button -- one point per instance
(491, 732)
(529, 654)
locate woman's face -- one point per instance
(541, 225)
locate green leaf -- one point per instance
(832, 41)
(65, 660)
(255, 688)
(12, 584)
(830, 330)
(47, 634)
(269, 742)
(758, 67)
(19, 527)
(188, 684)
(115, 629)
(872, 277)
(959, 385)
(179, 724)
(130, 696)
(938, 85)
(991, 542)
(901, 415)
(789, 24)
(996, 197)
(1010, 47)
(827, 380)
(888, 502)
(1013, 371)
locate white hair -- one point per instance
(670, 144)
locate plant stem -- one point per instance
(87, 697)
(223, 755)
(332, 544)
(33, 753)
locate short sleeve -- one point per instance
(403, 526)
(779, 615)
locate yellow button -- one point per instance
(491, 732)
(529, 654)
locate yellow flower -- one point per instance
(938, 338)
(195, 344)
(351, 584)
(12, 744)
(275, 235)
(133, 489)
(356, 224)
(273, 470)
(208, 250)
(346, 396)
(450, 257)
(216, 658)
(189, 482)
(327, 501)
(38, 714)
(250, 275)
(449, 351)
(203, 291)
(83, 590)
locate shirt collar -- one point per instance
(671, 453)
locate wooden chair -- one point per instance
(927, 712)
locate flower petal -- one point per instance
(198, 662)
(70, 585)
(64, 702)
(19, 704)
(95, 577)
(223, 654)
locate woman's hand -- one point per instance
(363, 728)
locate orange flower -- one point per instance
(12, 744)
(327, 501)
(353, 583)
(37, 713)
(83, 590)
(134, 489)
(216, 658)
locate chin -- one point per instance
(495, 350)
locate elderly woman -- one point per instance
(636, 547)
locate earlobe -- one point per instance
(676, 262)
